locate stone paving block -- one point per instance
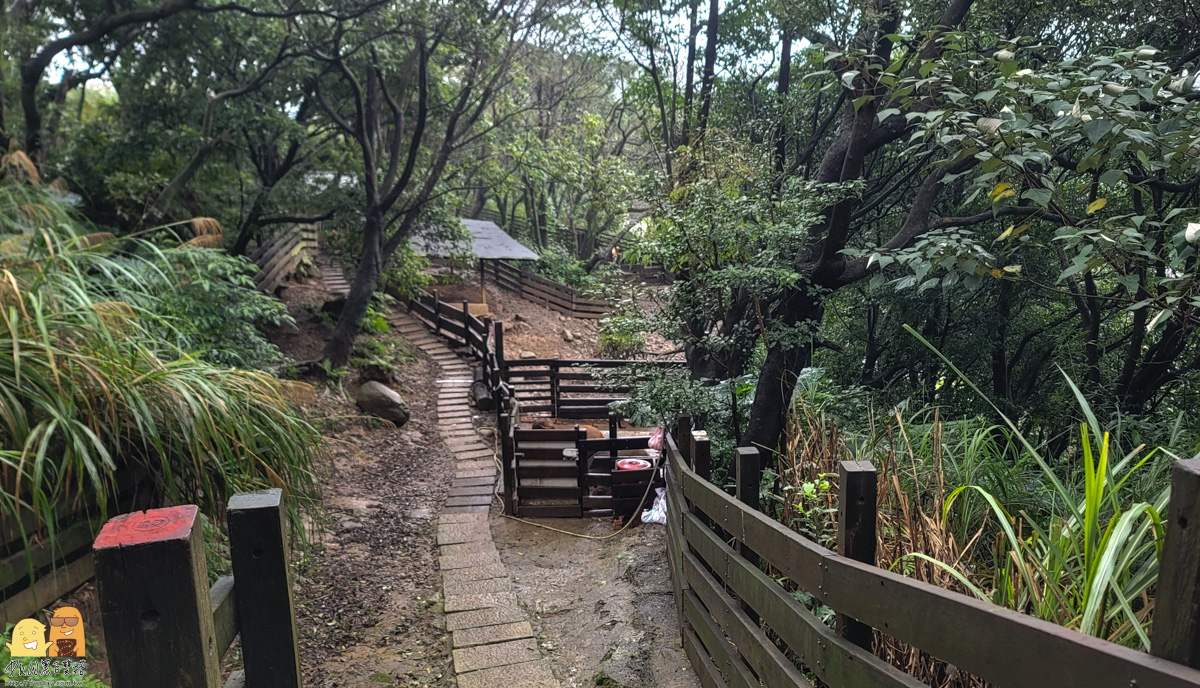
(475, 455)
(470, 491)
(477, 574)
(467, 510)
(466, 443)
(476, 473)
(471, 500)
(454, 537)
(466, 561)
(475, 465)
(498, 655)
(483, 617)
(487, 600)
(477, 587)
(473, 482)
(536, 674)
(445, 519)
(463, 548)
(492, 634)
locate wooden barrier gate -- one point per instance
(724, 598)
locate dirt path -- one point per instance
(368, 594)
(598, 605)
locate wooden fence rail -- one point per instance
(164, 625)
(725, 599)
(565, 388)
(558, 297)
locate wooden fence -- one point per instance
(278, 257)
(565, 388)
(165, 626)
(37, 570)
(725, 600)
(558, 297)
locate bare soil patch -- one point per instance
(537, 329)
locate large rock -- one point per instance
(383, 401)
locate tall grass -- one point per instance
(87, 389)
(979, 508)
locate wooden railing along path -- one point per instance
(564, 388)
(559, 297)
(725, 599)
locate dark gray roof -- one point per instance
(488, 241)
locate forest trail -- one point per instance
(491, 636)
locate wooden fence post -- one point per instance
(466, 319)
(683, 437)
(856, 533)
(1176, 633)
(508, 473)
(152, 584)
(700, 454)
(258, 547)
(437, 313)
(555, 393)
(748, 465)
(498, 337)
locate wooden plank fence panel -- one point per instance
(726, 659)
(760, 653)
(975, 636)
(706, 671)
(835, 660)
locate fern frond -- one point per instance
(205, 241)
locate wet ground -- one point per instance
(598, 606)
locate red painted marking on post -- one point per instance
(153, 525)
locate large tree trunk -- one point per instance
(710, 67)
(366, 279)
(249, 224)
(777, 381)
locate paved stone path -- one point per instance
(492, 637)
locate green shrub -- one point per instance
(89, 383)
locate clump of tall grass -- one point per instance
(977, 507)
(88, 388)
(1088, 560)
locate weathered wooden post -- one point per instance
(700, 454)
(683, 435)
(498, 338)
(437, 313)
(466, 322)
(508, 473)
(1176, 633)
(152, 584)
(555, 393)
(748, 467)
(856, 533)
(258, 547)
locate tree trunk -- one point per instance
(246, 230)
(366, 279)
(710, 67)
(160, 205)
(689, 88)
(777, 381)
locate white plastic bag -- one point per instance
(658, 512)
